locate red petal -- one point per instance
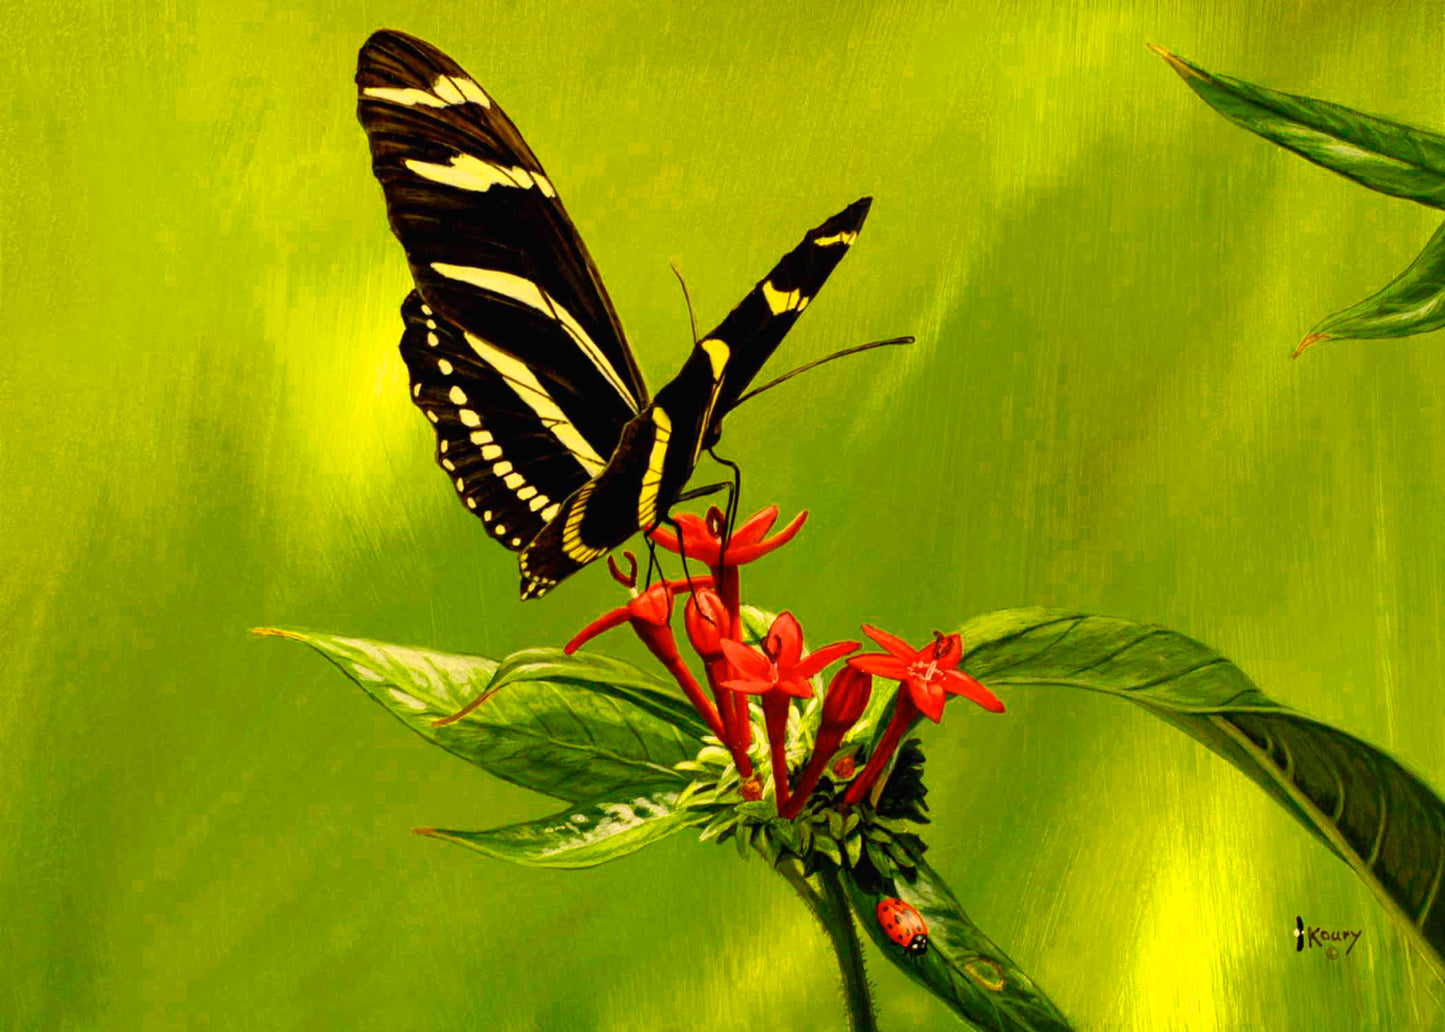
(928, 697)
(895, 645)
(751, 663)
(663, 537)
(697, 541)
(883, 666)
(605, 622)
(796, 687)
(747, 553)
(956, 682)
(952, 651)
(756, 528)
(785, 640)
(749, 686)
(818, 660)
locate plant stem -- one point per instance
(830, 907)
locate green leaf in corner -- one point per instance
(577, 728)
(1365, 806)
(962, 967)
(583, 835)
(1414, 302)
(1382, 154)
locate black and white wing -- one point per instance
(515, 352)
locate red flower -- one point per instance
(780, 666)
(779, 673)
(929, 673)
(702, 539)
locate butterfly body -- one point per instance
(516, 356)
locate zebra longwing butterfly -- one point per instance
(516, 355)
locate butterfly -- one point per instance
(516, 356)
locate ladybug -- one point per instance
(904, 925)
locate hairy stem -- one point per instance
(830, 907)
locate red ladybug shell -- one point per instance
(904, 925)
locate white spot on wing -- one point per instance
(457, 396)
(469, 418)
(468, 172)
(408, 96)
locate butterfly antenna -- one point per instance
(686, 297)
(890, 342)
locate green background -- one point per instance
(204, 426)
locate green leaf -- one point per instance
(1384, 155)
(756, 623)
(718, 825)
(962, 967)
(584, 835)
(577, 728)
(1365, 806)
(878, 857)
(1414, 302)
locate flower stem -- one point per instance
(830, 907)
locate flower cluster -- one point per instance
(776, 672)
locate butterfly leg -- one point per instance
(734, 495)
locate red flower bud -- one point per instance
(752, 789)
(847, 697)
(708, 623)
(845, 766)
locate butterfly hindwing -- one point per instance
(490, 246)
(505, 464)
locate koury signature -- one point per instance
(1316, 936)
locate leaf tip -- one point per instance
(277, 632)
(1313, 338)
(1185, 70)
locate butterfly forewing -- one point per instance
(505, 463)
(754, 329)
(490, 246)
